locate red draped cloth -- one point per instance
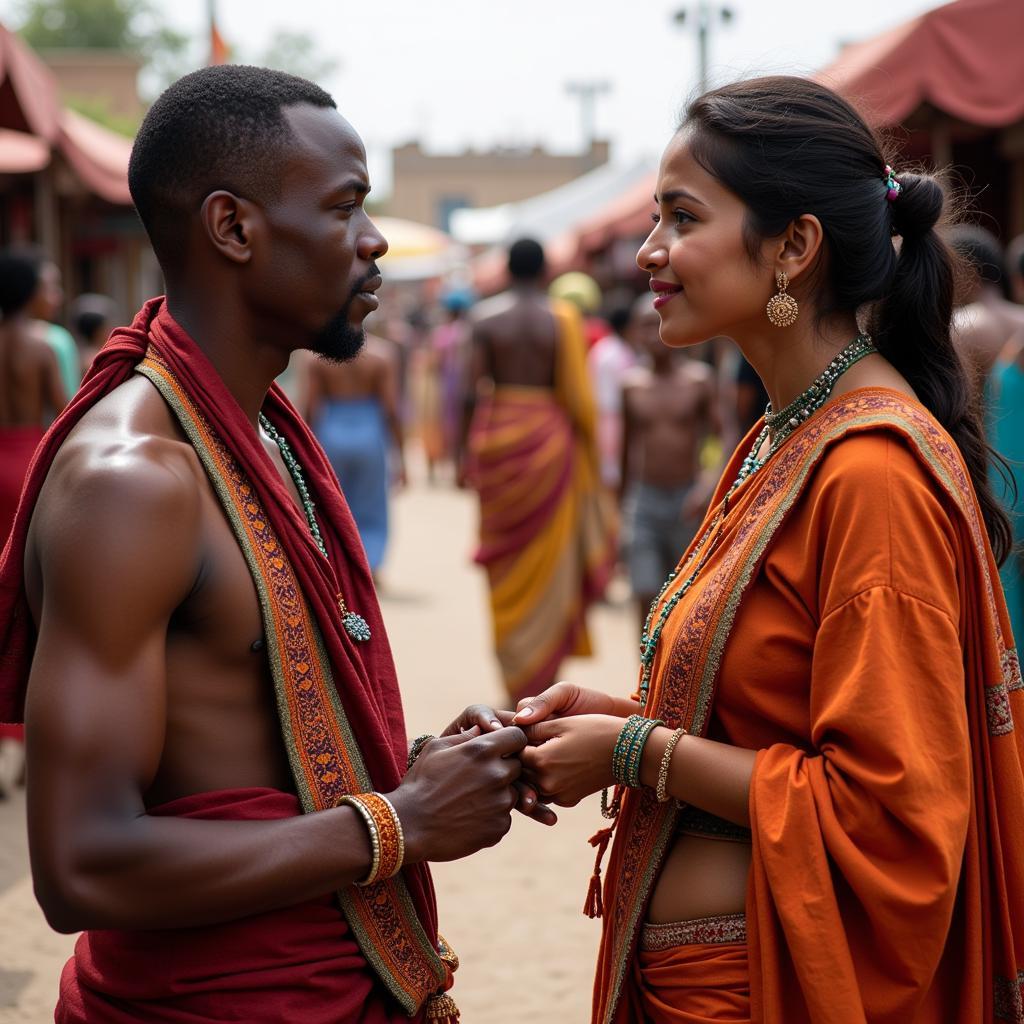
(16, 447)
(364, 674)
(299, 963)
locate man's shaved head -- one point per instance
(220, 127)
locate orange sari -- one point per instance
(850, 628)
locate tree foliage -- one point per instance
(132, 26)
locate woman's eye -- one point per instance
(682, 217)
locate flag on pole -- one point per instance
(219, 52)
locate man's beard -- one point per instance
(338, 340)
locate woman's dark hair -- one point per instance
(789, 146)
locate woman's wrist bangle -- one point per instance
(627, 755)
(417, 748)
(387, 840)
(666, 763)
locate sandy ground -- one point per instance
(512, 913)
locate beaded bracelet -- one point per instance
(666, 763)
(417, 748)
(387, 840)
(627, 755)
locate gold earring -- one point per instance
(782, 307)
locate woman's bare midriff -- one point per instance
(701, 878)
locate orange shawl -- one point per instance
(808, 960)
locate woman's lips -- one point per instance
(663, 295)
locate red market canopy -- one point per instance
(21, 153)
(963, 58)
(34, 124)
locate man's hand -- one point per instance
(458, 796)
(570, 758)
(486, 719)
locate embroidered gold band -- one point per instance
(698, 931)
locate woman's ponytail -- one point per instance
(911, 328)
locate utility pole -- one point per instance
(703, 15)
(587, 93)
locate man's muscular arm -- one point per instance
(118, 544)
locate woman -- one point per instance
(838, 835)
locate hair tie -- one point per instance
(892, 185)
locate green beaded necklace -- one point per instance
(777, 427)
(355, 625)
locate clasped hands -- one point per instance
(570, 733)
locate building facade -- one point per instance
(430, 187)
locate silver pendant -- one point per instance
(356, 626)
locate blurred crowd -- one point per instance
(664, 420)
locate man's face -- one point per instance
(317, 273)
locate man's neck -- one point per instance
(246, 363)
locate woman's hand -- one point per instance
(564, 700)
(570, 758)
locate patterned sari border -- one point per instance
(322, 750)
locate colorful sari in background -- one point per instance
(848, 626)
(1005, 393)
(547, 530)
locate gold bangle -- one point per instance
(666, 763)
(371, 826)
(389, 828)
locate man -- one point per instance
(668, 408)
(985, 318)
(211, 658)
(31, 393)
(353, 410)
(546, 533)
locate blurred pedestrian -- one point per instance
(92, 318)
(985, 318)
(442, 379)
(44, 308)
(546, 524)
(31, 394)
(608, 360)
(668, 408)
(352, 408)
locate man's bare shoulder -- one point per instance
(636, 377)
(696, 371)
(125, 462)
(494, 307)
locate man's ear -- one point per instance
(230, 224)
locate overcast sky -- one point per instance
(485, 72)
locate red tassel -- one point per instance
(594, 906)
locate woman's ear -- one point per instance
(799, 246)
